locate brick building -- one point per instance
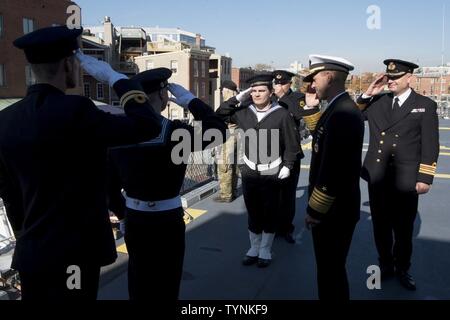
(18, 17)
(240, 76)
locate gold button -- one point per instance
(381, 142)
(383, 133)
(393, 155)
(378, 160)
(394, 145)
(396, 135)
(379, 151)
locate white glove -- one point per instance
(100, 70)
(244, 95)
(181, 96)
(122, 226)
(284, 173)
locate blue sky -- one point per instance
(279, 32)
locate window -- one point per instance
(1, 25)
(203, 69)
(29, 76)
(150, 65)
(203, 93)
(174, 66)
(87, 90)
(100, 92)
(2, 75)
(195, 68)
(196, 88)
(28, 25)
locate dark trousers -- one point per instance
(288, 197)
(155, 244)
(261, 196)
(393, 214)
(332, 241)
(52, 284)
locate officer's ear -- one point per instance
(408, 78)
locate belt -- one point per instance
(262, 167)
(153, 206)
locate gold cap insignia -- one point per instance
(302, 104)
(392, 66)
(279, 76)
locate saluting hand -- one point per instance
(422, 188)
(377, 86)
(311, 98)
(244, 95)
(100, 70)
(181, 96)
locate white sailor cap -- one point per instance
(318, 63)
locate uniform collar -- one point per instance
(43, 87)
(337, 97)
(404, 96)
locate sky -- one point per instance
(279, 32)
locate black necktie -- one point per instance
(396, 106)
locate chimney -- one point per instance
(198, 40)
(108, 36)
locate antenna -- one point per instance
(443, 34)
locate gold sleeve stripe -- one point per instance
(427, 172)
(324, 195)
(318, 207)
(319, 198)
(312, 120)
(321, 202)
(427, 169)
(426, 166)
(133, 94)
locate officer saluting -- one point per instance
(152, 179)
(334, 195)
(53, 162)
(262, 170)
(294, 102)
(400, 163)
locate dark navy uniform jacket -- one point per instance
(334, 191)
(407, 140)
(53, 152)
(147, 171)
(277, 118)
(294, 103)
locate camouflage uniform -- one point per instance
(227, 169)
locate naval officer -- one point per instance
(334, 194)
(400, 164)
(53, 151)
(152, 180)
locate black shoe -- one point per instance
(406, 280)
(263, 263)
(289, 238)
(248, 261)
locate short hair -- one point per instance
(339, 76)
(48, 70)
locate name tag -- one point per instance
(420, 110)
